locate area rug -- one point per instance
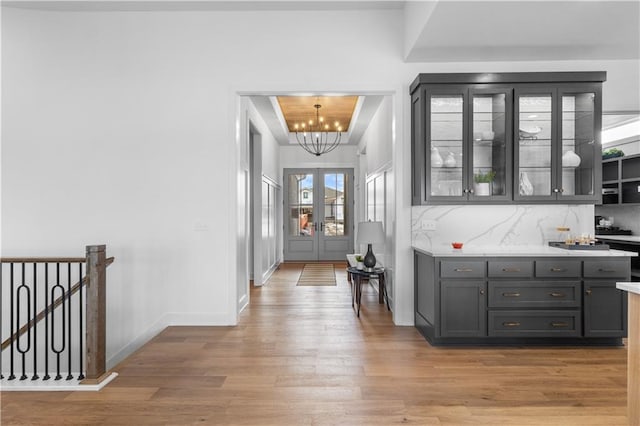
(317, 274)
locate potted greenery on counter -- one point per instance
(482, 182)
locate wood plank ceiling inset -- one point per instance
(299, 109)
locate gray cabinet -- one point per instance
(605, 307)
(463, 308)
(506, 138)
(520, 300)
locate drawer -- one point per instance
(462, 269)
(510, 268)
(539, 294)
(606, 269)
(534, 323)
(558, 268)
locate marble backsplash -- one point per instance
(497, 225)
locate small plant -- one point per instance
(359, 258)
(484, 177)
(612, 153)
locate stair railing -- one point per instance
(68, 332)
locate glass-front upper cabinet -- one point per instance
(557, 151)
(490, 144)
(506, 138)
(468, 140)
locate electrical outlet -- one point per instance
(429, 225)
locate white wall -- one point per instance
(122, 128)
(292, 157)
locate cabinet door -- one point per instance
(490, 144)
(535, 133)
(579, 174)
(605, 310)
(446, 126)
(463, 309)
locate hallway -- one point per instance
(300, 356)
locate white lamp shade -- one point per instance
(370, 233)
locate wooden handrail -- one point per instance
(43, 259)
(54, 304)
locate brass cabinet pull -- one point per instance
(557, 294)
(512, 294)
(463, 270)
(557, 270)
(481, 291)
(589, 292)
(510, 269)
(559, 324)
(511, 324)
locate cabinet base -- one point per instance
(427, 330)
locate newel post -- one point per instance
(96, 328)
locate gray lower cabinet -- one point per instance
(521, 300)
(462, 308)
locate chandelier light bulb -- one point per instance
(320, 141)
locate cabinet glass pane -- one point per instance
(489, 145)
(534, 145)
(446, 145)
(301, 205)
(578, 144)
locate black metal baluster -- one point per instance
(46, 322)
(69, 376)
(12, 376)
(53, 327)
(81, 303)
(23, 352)
(35, 327)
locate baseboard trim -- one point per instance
(167, 320)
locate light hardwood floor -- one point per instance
(299, 356)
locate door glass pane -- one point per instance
(578, 144)
(534, 147)
(489, 145)
(301, 205)
(335, 204)
(446, 145)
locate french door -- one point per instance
(318, 222)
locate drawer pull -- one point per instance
(557, 294)
(606, 270)
(559, 324)
(589, 292)
(558, 270)
(511, 324)
(510, 269)
(463, 270)
(511, 294)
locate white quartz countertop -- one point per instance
(629, 238)
(630, 287)
(519, 251)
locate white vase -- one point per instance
(360, 266)
(436, 158)
(570, 159)
(526, 187)
(450, 161)
(482, 188)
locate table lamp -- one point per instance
(370, 233)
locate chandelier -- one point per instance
(317, 139)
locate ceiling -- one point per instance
(301, 112)
(466, 31)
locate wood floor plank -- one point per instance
(299, 356)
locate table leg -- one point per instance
(358, 281)
(383, 290)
